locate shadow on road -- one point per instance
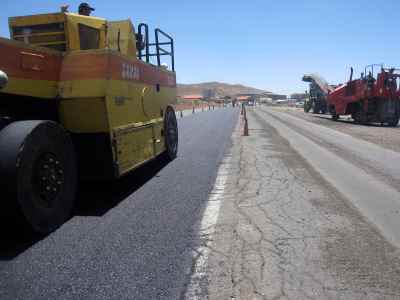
(94, 199)
(351, 121)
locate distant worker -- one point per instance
(64, 8)
(85, 9)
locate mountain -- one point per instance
(216, 89)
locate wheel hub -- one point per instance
(48, 178)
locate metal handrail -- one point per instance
(159, 50)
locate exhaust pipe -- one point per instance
(3, 79)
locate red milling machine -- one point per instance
(371, 98)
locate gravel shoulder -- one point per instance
(386, 137)
(284, 233)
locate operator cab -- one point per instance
(384, 79)
(60, 31)
(68, 32)
(390, 78)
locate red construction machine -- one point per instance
(371, 98)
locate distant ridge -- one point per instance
(217, 89)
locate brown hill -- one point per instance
(212, 89)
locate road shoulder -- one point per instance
(283, 232)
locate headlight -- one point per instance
(3, 79)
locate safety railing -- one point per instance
(157, 49)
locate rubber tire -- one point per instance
(170, 119)
(394, 122)
(332, 111)
(359, 118)
(22, 143)
(316, 109)
(307, 108)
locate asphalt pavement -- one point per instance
(132, 239)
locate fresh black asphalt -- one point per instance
(131, 239)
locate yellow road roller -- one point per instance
(81, 98)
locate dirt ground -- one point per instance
(384, 136)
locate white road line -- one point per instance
(196, 289)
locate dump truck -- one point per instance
(81, 98)
(318, 91)
(372, 98)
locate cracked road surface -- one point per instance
(284, 231)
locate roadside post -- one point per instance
(246, 124)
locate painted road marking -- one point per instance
(195, 288)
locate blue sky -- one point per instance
(261, 43)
